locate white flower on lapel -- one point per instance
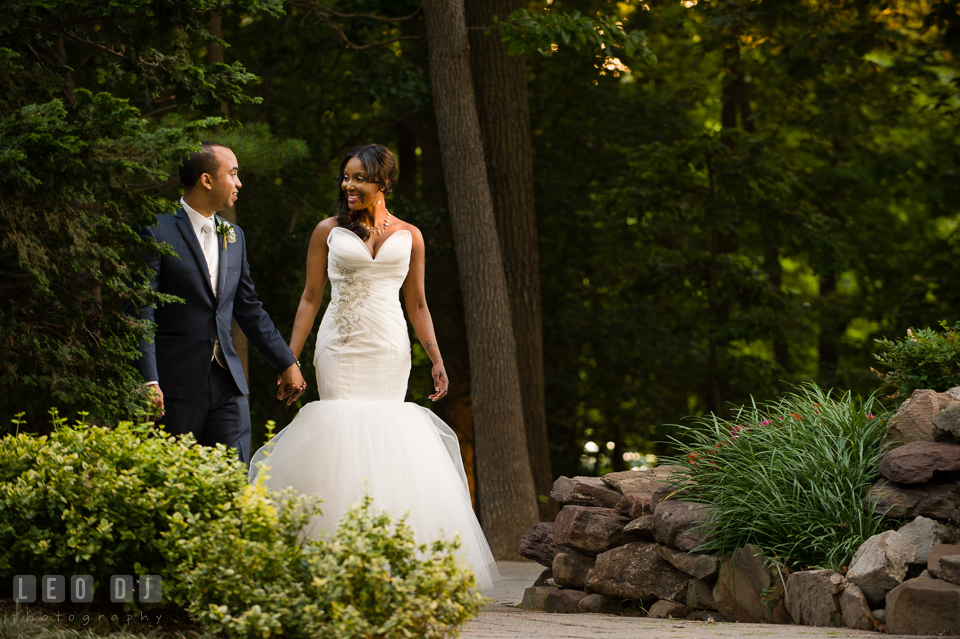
(225, 229)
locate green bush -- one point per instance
(134, 500)
(925, 358)
(788, 476)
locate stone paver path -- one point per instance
(499, 620)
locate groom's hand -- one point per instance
(156, 397)
(291, 384)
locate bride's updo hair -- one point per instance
(381, 168)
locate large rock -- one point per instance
(916, 462)
(924, 607)
(565, 601)
(744, 583)
(634, 505)
(682, 524)
(601, 604)
(642, 528)
(880, 564)
(584, 491)
(937, 500)
(700, 595)
(942, 550)
(913, 422)
(590, 530)
(925, 533)
(946, 423)
(824, 598)
(552, 599)
(534, 596)
(948, 569)
(638, 481)
(694, 564)
(855, 609)
(637, 571)
(665, 609)
(812, 597)
(538, 544)
(664, 493)
(570, 571)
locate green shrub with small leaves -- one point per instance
(925, 358)
(136, 500)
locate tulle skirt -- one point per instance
(401, 454)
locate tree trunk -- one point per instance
(446, 304)
(215, 52)
(505, 493)
(830, 330)
(500, 87)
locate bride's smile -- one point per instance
(360, 191)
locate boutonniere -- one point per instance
(225, 229)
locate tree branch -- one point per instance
(358, 47)
(316, 6)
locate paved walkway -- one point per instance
(500, 620)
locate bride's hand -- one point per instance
(440, 381)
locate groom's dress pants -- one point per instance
(218, 415)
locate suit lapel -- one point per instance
(222, 262)
(186, 229)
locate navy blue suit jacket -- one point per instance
(179, 356)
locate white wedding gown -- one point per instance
(361, 436)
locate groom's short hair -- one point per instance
(199, 162)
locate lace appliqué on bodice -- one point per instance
(352, 292)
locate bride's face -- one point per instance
(361, 193)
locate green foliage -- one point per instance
(925, 358)
(788, 476)
(90, 500)
(527, 32)
(80, 170)
(750, 213)
(75, 182)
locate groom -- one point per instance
(191, 368)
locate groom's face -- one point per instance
(225, 183)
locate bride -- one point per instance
(361, 436)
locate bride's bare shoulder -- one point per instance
(327, 224)
(322, 231)
(407, 226)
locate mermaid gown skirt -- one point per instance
(361, 437)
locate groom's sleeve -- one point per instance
(254, 320)
(147, 362)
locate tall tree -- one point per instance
(500, 85)
(505, 495)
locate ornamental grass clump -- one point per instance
(134, 500)
(789, 476)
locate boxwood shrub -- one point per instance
(135, 500)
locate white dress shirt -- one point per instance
(213, 259)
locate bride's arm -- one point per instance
(416, 302)
(313, 291)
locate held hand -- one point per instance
(440, 382)
(156, 397)
(291, 384)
